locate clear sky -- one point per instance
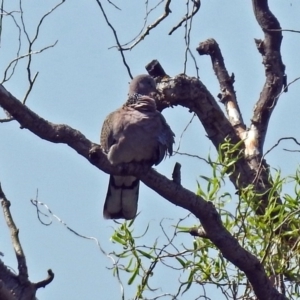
(80, 81)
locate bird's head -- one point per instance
(143, 85)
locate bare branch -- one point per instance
(10, 14)
(184, 130)
(116, 38)
(274, 69)
(30, 87)
(196, 7)
(114, 5)
(5, 78)
(286, 86)
(50, 214)
(41, 22)
(167, 11)
(187, 37)
(31, 43)
(273, 147)
(288, 30)
(22, 266)
(6, 120)
(43, 283)
(227, 96)
(145, 21)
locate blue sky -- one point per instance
(80, 81)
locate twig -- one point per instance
(196, 7)
(43, 283)
(145, 21)
(19, 44)
(167, 11)
(116, 38)
(23, 56)
(6, 120)
(31, 43)
(287, 86)
(114, 5)
(30, 87)
(269, 150)
(187, 37)
(184, 130)
(288, 30)
(37, 203)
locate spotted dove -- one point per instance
(136, 132)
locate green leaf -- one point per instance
(146, 254)
(180, 261)
(135, 273)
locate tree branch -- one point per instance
(166, 12)
(274, 69)
(43, 283)
(196, 7)
(22, 266)
(171, 191)
(227, 96)
(14, 286)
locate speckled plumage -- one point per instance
(135, 132)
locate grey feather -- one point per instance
(136, 132)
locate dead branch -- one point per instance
(227, 97)
(274, 70)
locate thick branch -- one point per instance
(274, 69)
(173, 192)
(227, 96)
(191, 93)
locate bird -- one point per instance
(136, 132)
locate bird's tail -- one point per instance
(122, 197)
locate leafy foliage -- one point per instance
(197, 261)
